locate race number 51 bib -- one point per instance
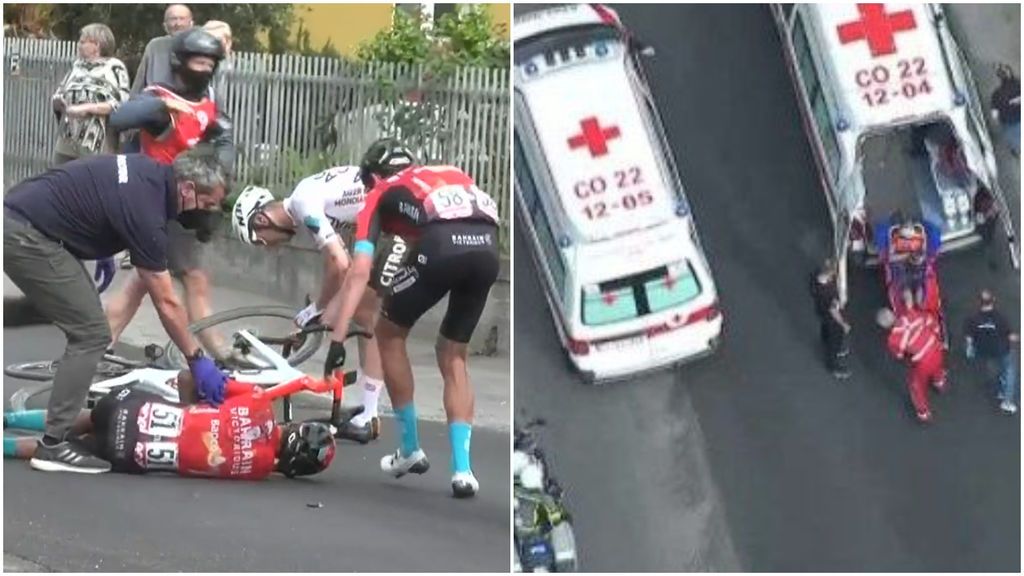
(160, 420)
(157, 455)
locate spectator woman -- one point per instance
(96, 85)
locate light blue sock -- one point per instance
(9, 445)
(409, 434)
(26, 420)
(459, 434)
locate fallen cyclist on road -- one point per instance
(230, 435)
(325, 204)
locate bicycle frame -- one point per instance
(282, 379)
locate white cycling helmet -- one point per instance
(248, 203)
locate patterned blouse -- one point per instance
(96, 82)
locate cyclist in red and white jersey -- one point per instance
(326, 204)
(139, 431)
(452, 229)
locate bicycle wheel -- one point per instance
(255, 319)
(45, 371)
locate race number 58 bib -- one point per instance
(455, 201)
(452, 202)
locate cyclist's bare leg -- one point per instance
(25, 446)
(366, 316)
(395, 360)
(458, 393)
(458, 407)
(122, 307)
(398, 380)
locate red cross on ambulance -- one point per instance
(594, 137)
(877, 28)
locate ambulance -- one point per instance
(895, 124)
(598, 196)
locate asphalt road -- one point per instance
(806, 473)
(368, 522)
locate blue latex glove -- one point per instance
(104, 273)
(209, 380)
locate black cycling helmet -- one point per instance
(195, 42)
(306, 448)
(384, 158)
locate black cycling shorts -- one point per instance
(115, 426)
(391, 254)
(459, 259)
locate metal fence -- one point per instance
(294, 115)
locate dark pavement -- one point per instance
(157, 522)
(813, 474)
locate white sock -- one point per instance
(371, 394)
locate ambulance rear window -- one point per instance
(564, 40)
(641, 294)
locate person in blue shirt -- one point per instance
(91, 209)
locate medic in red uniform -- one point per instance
(916, 336)
(175, 117)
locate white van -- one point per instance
(599, 198)
(894, 121)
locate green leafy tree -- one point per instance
(468, 37)
(136, 24)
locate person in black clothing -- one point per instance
(990, 339)
(91, 209)
(1006, 107)
(834, 328)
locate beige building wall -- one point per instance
(347, 25)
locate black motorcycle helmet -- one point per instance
(195, 42)
(384, 158)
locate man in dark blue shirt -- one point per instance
(91, 209)
(990, 339)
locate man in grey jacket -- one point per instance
(155, 66)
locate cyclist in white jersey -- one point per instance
(326, 205)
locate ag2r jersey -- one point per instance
(324, 202)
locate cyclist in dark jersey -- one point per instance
(451, 227)
(138, 431)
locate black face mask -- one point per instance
(194, 83)
(204, 222)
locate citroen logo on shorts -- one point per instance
(394, 260)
